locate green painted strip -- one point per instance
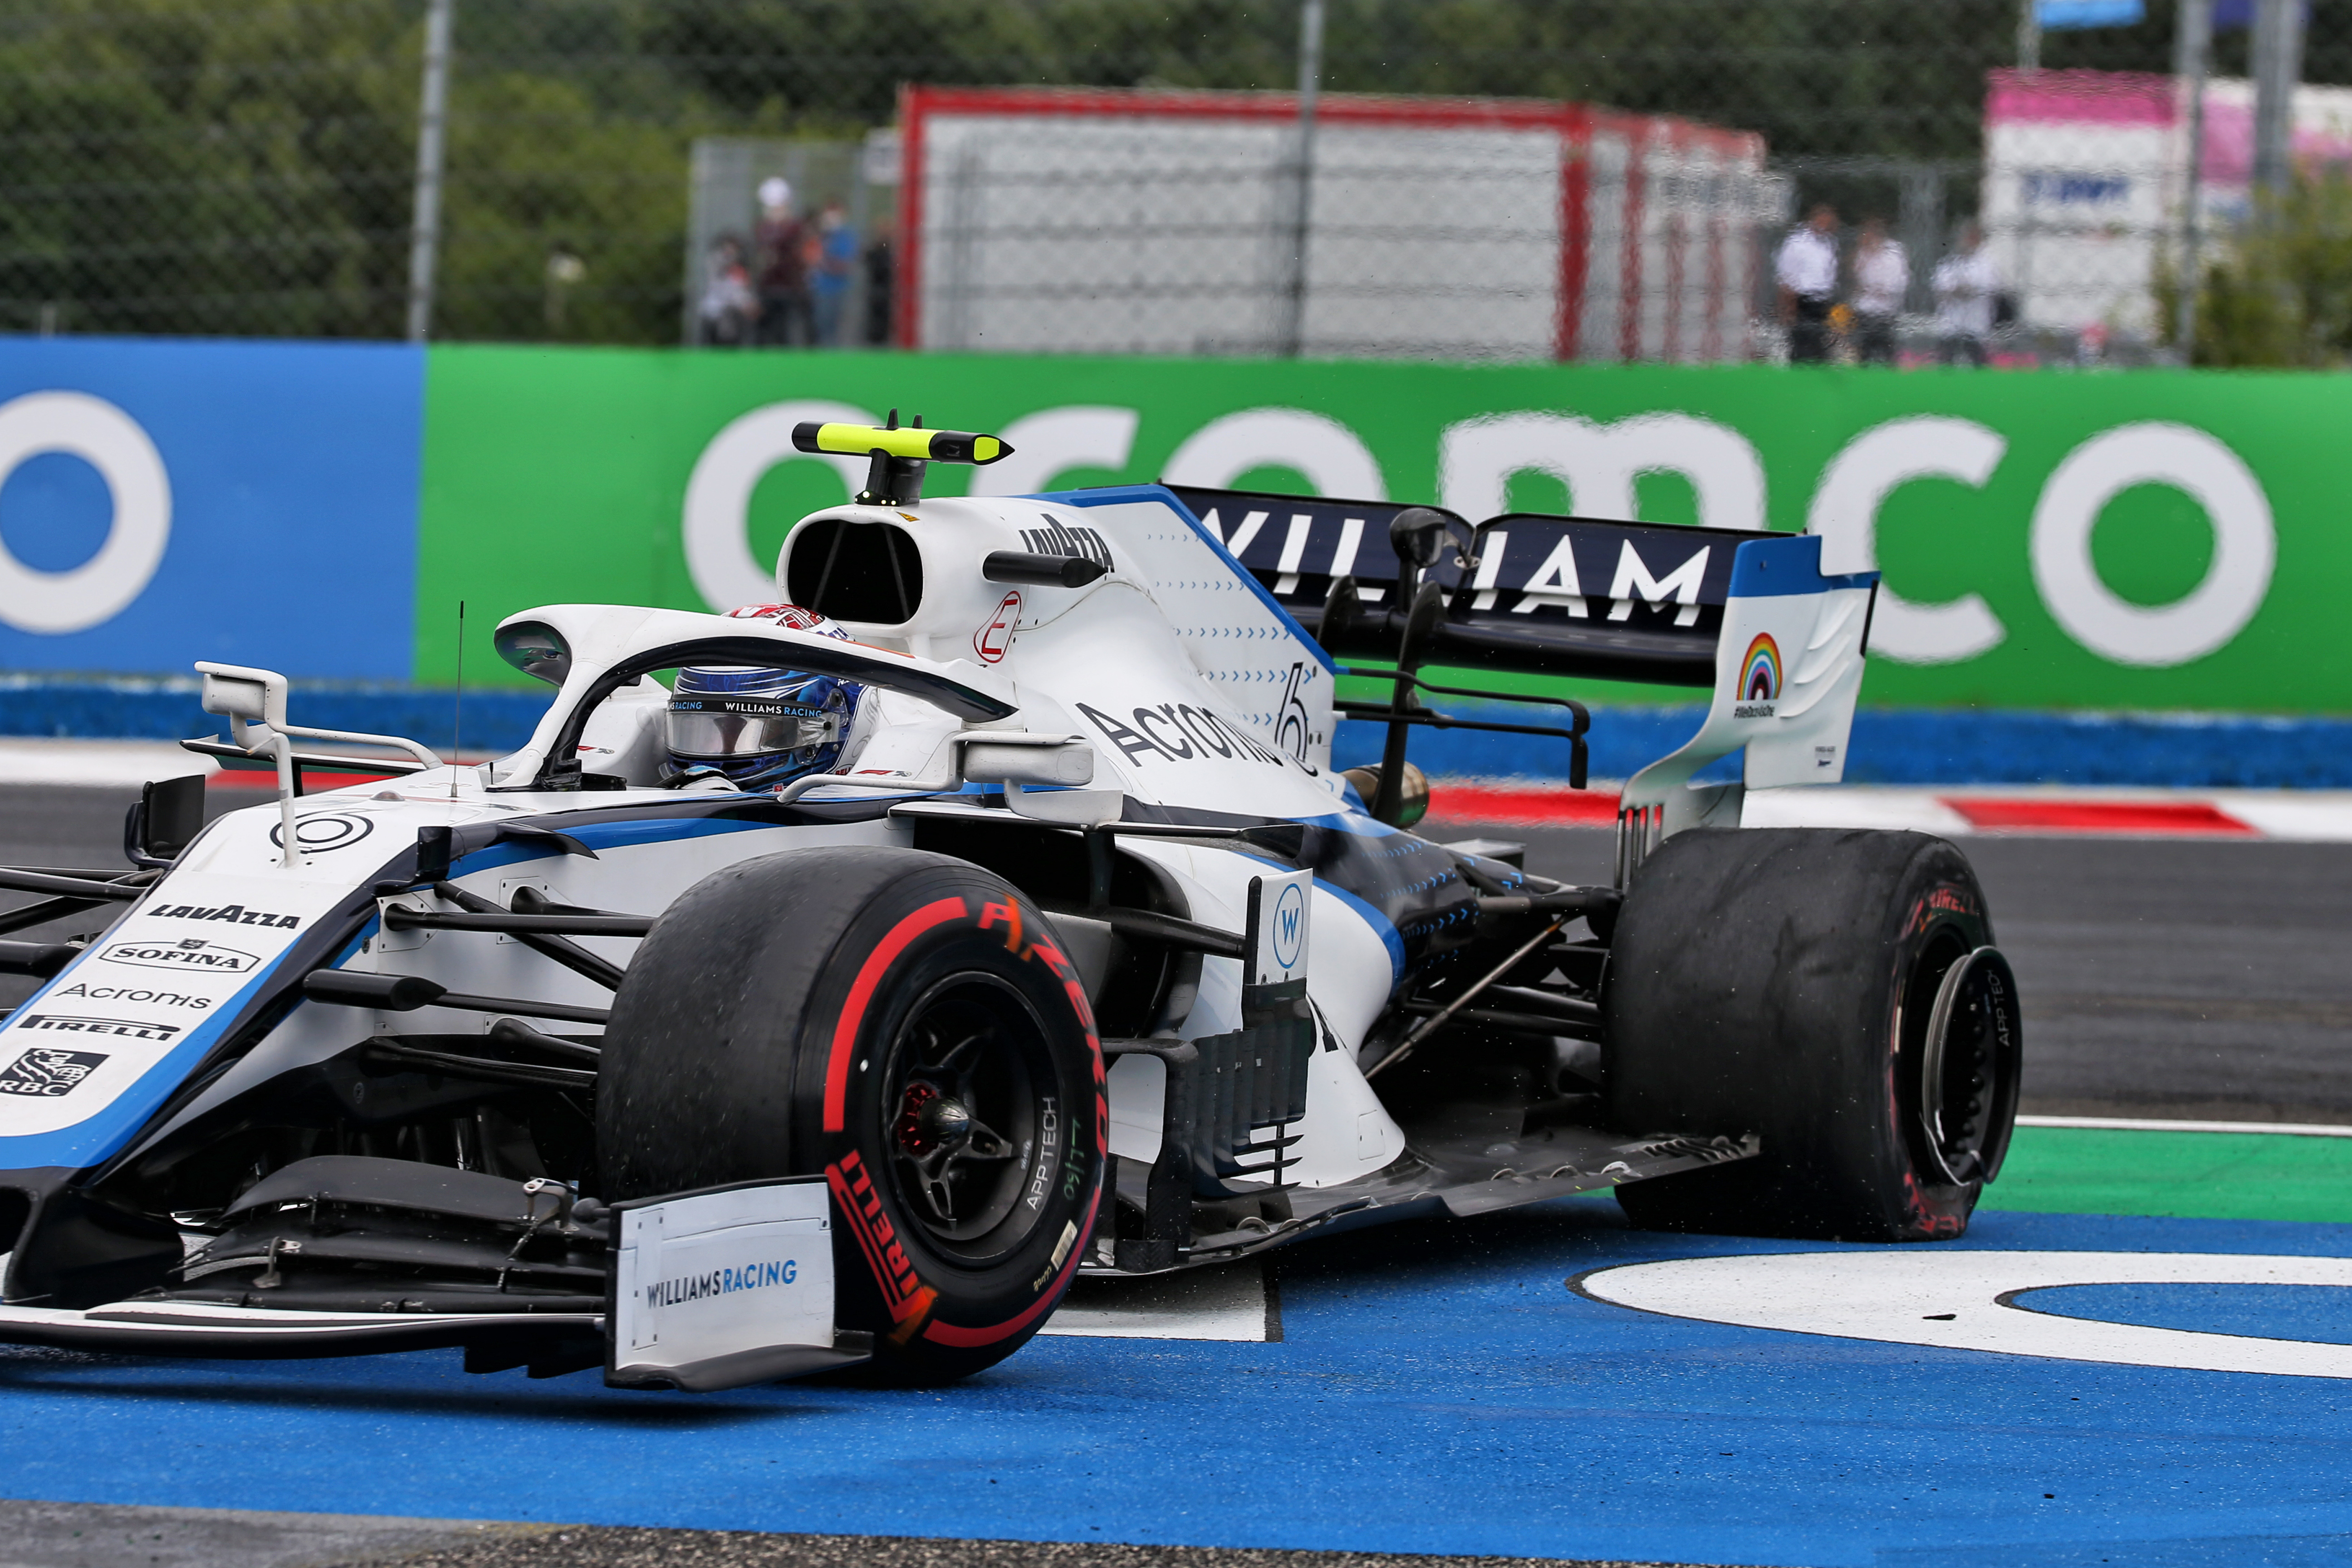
(2199, 1175)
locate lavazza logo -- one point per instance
(235, 914)
(189, 952)
(45, 1074)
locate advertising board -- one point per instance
(166, 501)
(2152, 542)
(2050, 542)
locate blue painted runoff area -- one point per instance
(2317, 1312)
(1891, 745)
(1438, 1387)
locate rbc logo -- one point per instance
(1289, 925)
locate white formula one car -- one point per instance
(1081, 958)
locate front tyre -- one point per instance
(906, 1025)
(1837, 994)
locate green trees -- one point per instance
(247, 165)
(2281, 293)
(171, 165)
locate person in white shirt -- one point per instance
(1807, 271)
(1881, 274)
(1966, 286)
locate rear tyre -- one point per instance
(1836, 993)
(904, 1024)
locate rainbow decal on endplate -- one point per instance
(1760, 672)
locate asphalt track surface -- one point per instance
(2184, 978)
(2175, 978)
(1437, 1387)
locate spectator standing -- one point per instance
(1968, 285)
(881, 281)
(729, 307)
(836, 265)
(1807, 271)
(1882, 276)
(784, 242)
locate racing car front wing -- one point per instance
(703, 1290)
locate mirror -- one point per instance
(537, 649)
(243, 694)
(168, 814)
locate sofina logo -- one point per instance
(1759, 678)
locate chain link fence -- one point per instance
(204, 166)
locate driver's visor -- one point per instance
(745, 727)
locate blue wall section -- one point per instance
(495, 720)
(293, 477)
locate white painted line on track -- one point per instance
(2316, 816)
(1228, 1301)
(1948, 810)
(33, 761)
(2143, 1124)
(1959, 1298)
(1917, 810)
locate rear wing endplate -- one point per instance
(1749, 615)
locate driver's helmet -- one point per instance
(761, 726)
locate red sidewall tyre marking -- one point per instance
(909, 1299)
(949, 1334)
(853, 1011)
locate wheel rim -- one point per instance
(1964, 1094)
(971, 1121)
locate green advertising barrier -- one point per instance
(2122, 542)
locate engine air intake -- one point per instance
(868, 572)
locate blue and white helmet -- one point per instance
(762, 726)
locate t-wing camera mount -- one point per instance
(899, 456)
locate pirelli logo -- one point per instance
(908, 1298)
(116, 1028)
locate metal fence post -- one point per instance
(2278, 64)
(1291, 330)
(432, 110)
(2192, 54)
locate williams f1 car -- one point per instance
(828, 983)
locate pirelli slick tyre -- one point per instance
(1835, 992)
(903, 1024)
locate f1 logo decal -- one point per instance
(991, 641)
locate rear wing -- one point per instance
(1749, 615)
(1547, 595)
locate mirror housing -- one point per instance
(245, 694)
